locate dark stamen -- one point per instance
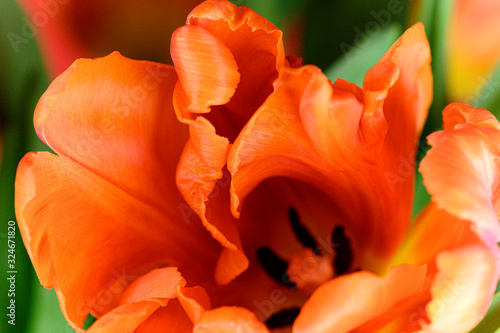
(301, 231)
(274, 266)
(283, 319)
(342, 245)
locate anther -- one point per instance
(342, 246)
(283, 318)
(301, 231)
(274, 266)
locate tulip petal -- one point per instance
(117, 244)
(464, 272)
(125, 318)
(254, 43)
(240, 41)
(119, 141)
(410, 87)
(207, 70)
(111, 116)
(349, 301)
(467, 151)
(206, 188)
(232, 41)
(149, 304)
(228, 320)
(463, 289)
(144, 296)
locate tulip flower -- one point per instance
(68, 30)
(301, 216)
(474, 47)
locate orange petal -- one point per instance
(406, 72)
(464, 273)
(162, 283)
(119, 244)
(207, 70)
(173, 317)
(200, 165)
(206, 189)
(244, 41)
(463, 288)
(194, 301)
(349, 301)
(125, 318)
(229, 320)
(254, 43)
(221, 43)
(461, 170)
(115, 117)
(144, 296)
(156, 291)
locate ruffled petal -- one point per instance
(105, 235)
(405, 72)
(220, 43)
(205, 187)
(115, 117)
(233, 42)
(254, 43)
(207, 70)
(347, 302)
(461, 169)
(463, 289)
(155, 301)
(229, 320)
(112, 122)
(118, 138)
(144, 296)
(463, 272)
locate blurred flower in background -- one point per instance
(68, 30)
(473, 48)
(465, 35)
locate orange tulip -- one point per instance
(321, 180)
(474, 47)
(68, 30)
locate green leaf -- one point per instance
(422, 197)
(276, 11)
(46, 315)
(423, 11)
(362, 56)
(437, 33)
(490, 322)
(333, 26)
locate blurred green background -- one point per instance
(344, 38)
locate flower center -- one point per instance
(313, 266)
(307, 269)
